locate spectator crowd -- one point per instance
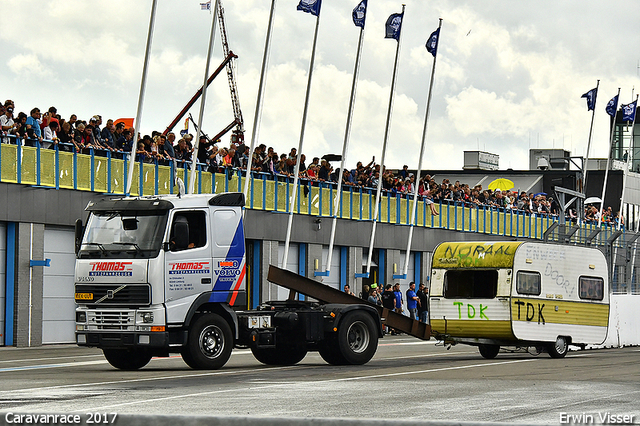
(51, 131)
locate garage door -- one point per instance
(3, 277)
(282, 293)
(333, 280)
(58, 305)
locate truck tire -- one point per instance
(357, 338)
(209, 343)
(330, 352)
(127, 359)
(489, 351)
(290, 355)
(558, 349)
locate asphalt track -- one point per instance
(407, 379)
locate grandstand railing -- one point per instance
(100, 171)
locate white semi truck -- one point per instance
(167, 274)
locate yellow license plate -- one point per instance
(84, 296)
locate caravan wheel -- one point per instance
(489, 351)
(559, 349)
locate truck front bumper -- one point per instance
(120, 340)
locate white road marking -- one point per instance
(309, 383)
(426, 342)
(51, 358)
(39, 367)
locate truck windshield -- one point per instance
(127, 234)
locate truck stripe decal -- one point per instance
(235, 290)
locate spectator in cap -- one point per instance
(7, 125)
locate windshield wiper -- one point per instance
(100, 246)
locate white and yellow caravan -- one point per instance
(522, 294)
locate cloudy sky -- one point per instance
(509, 74)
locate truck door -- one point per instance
(188, 265)
(229, 260)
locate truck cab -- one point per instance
(148, 268)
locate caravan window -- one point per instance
(471, 284)
(528, 283)
(591, 288)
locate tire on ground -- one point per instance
(489, 351)
(330, 352)
(127, 359)
(357, 338)
(209, 343)
(558, 349)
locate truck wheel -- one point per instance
(330, 352)
(558, 349)
(489, 351)
(357, 338)
(127, 359)
(280, 356)
(209, 343)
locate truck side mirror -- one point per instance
(79, 232)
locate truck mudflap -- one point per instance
(326, 294)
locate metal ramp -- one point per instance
(326, 294)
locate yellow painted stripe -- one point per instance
(474, 328)
(544, 310)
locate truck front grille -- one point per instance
(113, 294)
(111, 320)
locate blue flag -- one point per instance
(394, 26)
(591, 98)
(629, 111)
(310, 6)
(432, 43)
(612, 106)
(360, 14)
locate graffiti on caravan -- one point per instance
(539, 252)
(477, 254)
(560, 280)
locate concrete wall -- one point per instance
(624, 326)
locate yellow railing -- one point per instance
(99, 172)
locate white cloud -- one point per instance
(28, 65)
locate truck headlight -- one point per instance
(81, 317)
(147, 317)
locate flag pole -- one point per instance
(143, 85)
(606, 172)
(586, 161)
(300, 144)
(261, 88)
(384, 151)
(345, 148)
(196, 144)
(422, 146)
(626, 164)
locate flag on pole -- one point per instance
(394, 26)
(629, 111)
(360, 14)
(310, 6)
(591, 98)
(612, 106)
(186, 127)
(432, 43)
(205, 6)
